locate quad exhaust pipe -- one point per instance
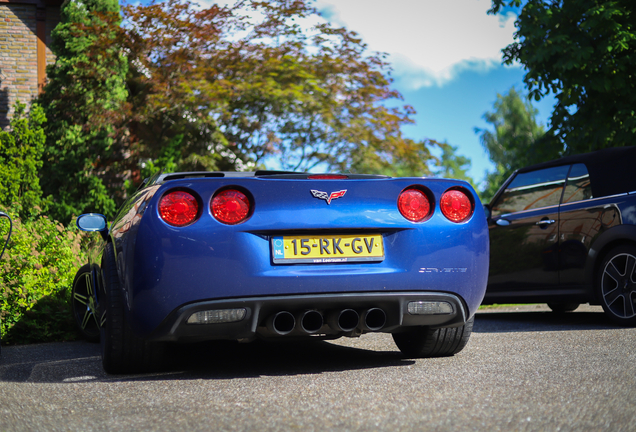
(374, 319)
(282, 323)
(312, 321)
(346, 320)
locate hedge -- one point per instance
(36, 274)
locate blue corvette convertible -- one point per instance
(275, 255)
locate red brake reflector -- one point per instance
(414, 205)
(327, 177)
(230, 207)
(456, 205)
(178, 208)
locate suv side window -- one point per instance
(578, 186)
(531, 190)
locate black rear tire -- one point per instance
(616, 285)
(84, 304)
(563, 307)
(122, 351)
(423, 342)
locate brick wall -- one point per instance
(18, 54)
(18, 57)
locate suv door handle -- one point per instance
(502, 222)
(545, 222)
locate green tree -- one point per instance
(584, 52)
(401, 162)
(21, 150)
(515, 139)
(452, 165)
(243, 85)
(85, 158)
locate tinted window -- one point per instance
(535, 189)
(578, 187)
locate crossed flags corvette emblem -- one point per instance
(328, 197)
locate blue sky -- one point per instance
(446, 60)
(446, 57)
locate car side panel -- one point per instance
(525, 255)
(581, 224)
(586, 229)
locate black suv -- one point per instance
(564, 233)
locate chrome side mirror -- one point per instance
(91, 222)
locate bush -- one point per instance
(21, 150)
(36, 274)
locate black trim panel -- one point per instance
(259, 309)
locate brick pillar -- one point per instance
(25, 38)
(18, 57)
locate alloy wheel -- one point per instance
(618, 285)
(85, 306)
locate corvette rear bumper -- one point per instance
(327, 315)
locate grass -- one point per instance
(498, 305)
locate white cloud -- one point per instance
(429, 41)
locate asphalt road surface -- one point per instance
(523, 369)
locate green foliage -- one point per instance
(452, 165)
(21, 150)
(405, 162)
(178, 87)
(84, 101)
(515, 141)
(245, 84)
(166, 161)
(584, 52)
(36, 273)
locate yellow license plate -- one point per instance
(325, 249)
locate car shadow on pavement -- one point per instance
(510, 321)
(233, 360)
(77, 362)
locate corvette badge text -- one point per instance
(443, 270)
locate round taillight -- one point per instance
(230, 207)
(456, 205)
(414, 205)
(178, 208)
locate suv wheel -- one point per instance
(563, 307)
(616, 285)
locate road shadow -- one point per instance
(22, 363)
(508, 321)
(81, 362)
(233, 360)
